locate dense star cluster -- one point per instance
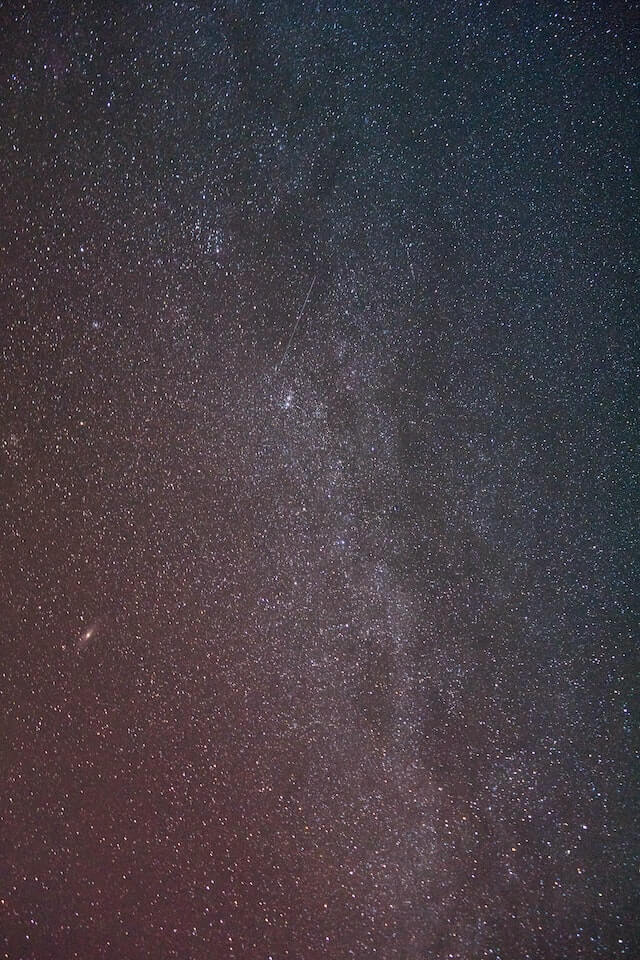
(316, 447)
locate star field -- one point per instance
(316, 442)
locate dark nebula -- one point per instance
(317, 440)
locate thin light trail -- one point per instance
(295, 326)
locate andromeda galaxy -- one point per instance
(88, 635)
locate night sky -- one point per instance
(316, 456)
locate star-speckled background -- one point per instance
(316, 440)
